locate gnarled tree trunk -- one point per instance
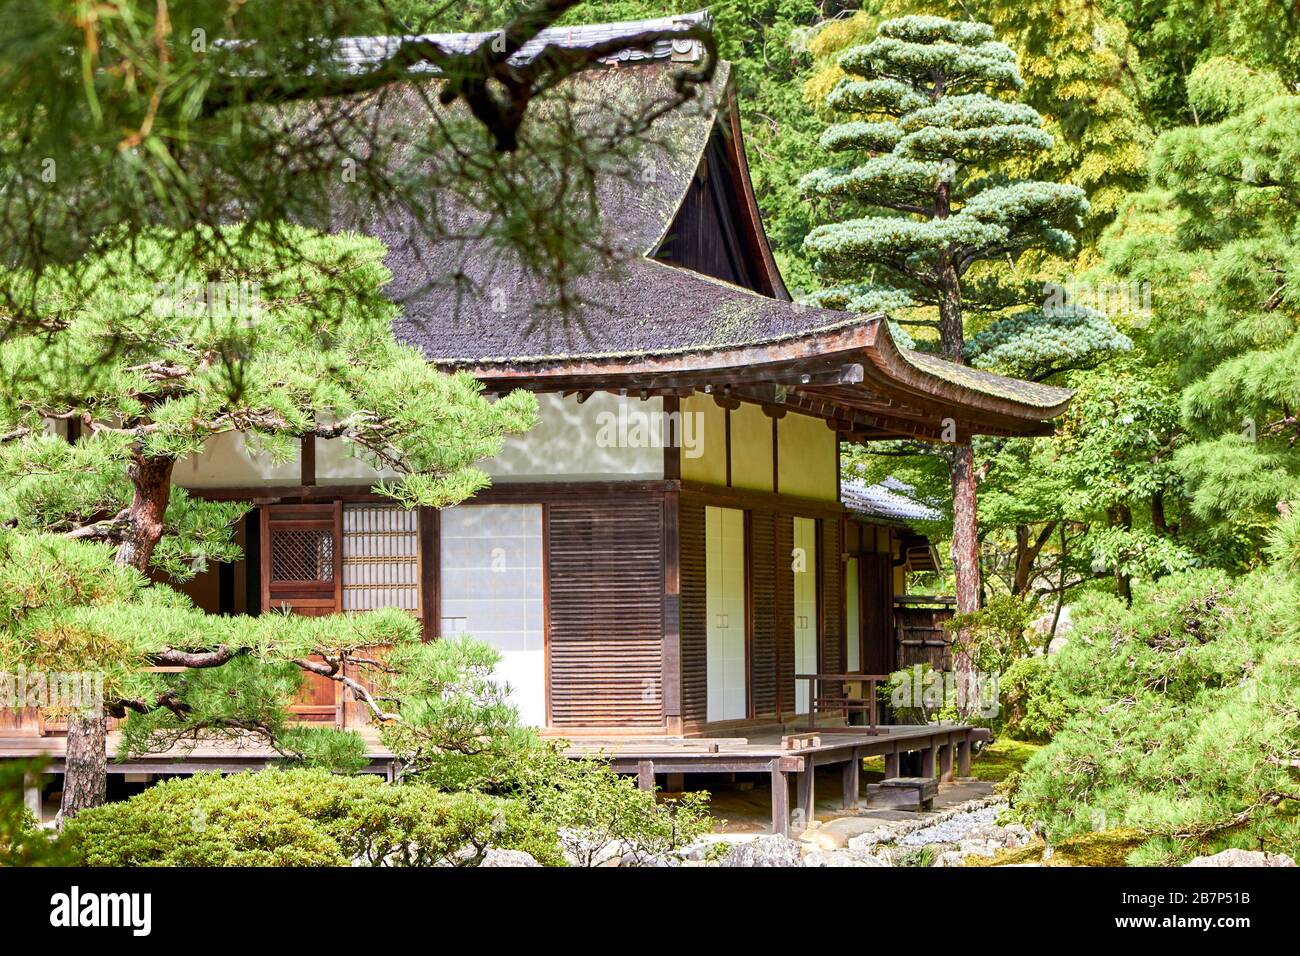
(85, 777)
(961, 473)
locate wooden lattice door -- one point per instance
(302, 571)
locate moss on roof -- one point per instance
(987, 383)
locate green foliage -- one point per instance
(1182, 718)
(924, 99)
(458, 729)
(1002, 760)
(22, 842)
(67, 607)
(295, 351)
(1215, 238)
(304, 818)
(1223, 87)
(458, 732)
(1076, 60)
(1032, 708)
(194, 111)
(998, 633)
(1037, 344)
(598, 812)
(1178, 37)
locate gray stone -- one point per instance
(868, 842)
(1243, 858)
(839, 858)
(768, 850)
(508, 858)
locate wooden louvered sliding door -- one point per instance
(605, 583)
(694, 612)
(302, 571)
(831, 630)
(764, 652)
(877, 576)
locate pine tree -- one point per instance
(925, 94)
(275, 351)
(191, 111)
(1215, 236)
(1080, 73)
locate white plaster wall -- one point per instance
(227, 462)
(606, 437)
(566, 443)
(336, 465)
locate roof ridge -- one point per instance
(364, 50)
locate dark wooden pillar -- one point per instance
(891, 765)
(780, 799)
(963, 757)
(851, 780)
(806, 791)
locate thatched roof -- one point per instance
(645, 324)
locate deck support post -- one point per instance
(891, 765)
(780, 800)
(645, 775)
(852, 769)
(927, 760)
(945, 762)
(963, 757)
(804, 786)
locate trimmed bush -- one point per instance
(304, 818)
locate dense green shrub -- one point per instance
(1184, 715)
(304, 818)
(1033, 707)
(597, 811)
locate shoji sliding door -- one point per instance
(804, 562)
(852, 615)
(491, 589)
(724, 535)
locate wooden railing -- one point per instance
(845, 705)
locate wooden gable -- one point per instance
(717, 230)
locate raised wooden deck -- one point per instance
(945, 750)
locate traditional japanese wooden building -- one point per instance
(671, 544)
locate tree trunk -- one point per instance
(152, 478)
(965, 530)
(961, 472)
(86, 776)
(1123, 517)
(1027, 553)
(966, 568)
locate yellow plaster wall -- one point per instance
(751, 449)
(710, 467)
(806, 460)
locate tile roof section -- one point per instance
(886, 501)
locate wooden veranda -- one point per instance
(944, 749)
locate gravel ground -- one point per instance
(953, 830)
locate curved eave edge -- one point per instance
(920, 375)
(931, 375)
(853, 333)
